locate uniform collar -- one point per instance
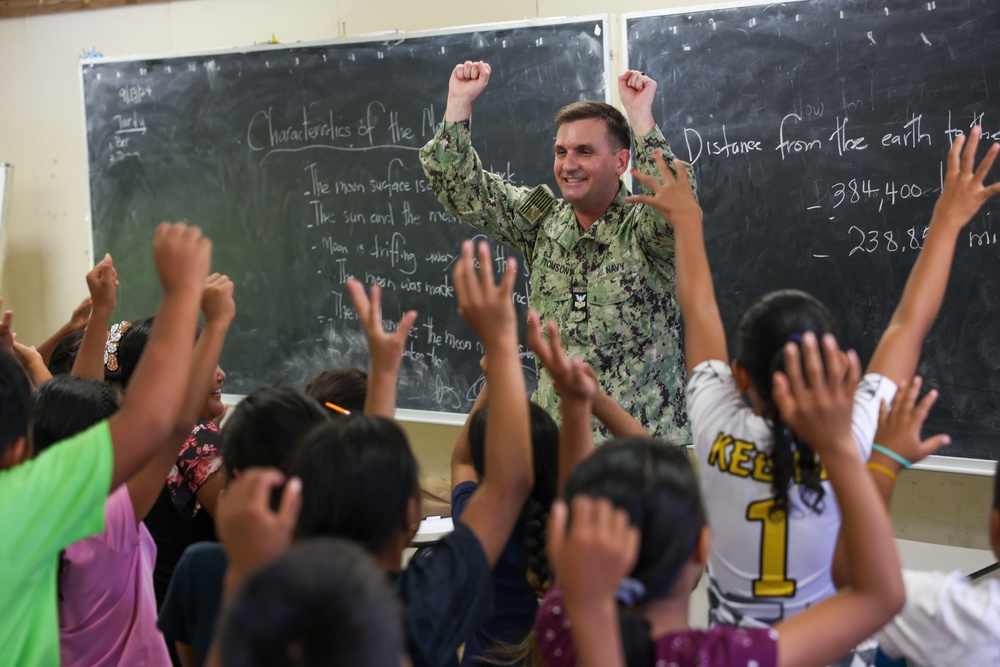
(602, 231)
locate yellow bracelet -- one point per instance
(878, 467)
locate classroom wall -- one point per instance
(48, 239)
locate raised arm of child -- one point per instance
(6, 333)
(898, 350)
(102, 281)
(590, 559)
(33, 364)
(899, 433)
(579, 397)
(385, 349)
(488, 309)
(77, 321)
(462, 467)
(576, 392)
(817, 403)
(251, 531)
(704, 335)
(150, 409)
(219, 307)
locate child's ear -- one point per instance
(414, 514)
(15, 453)
(741, 376)
(995, 532)
(704, 546)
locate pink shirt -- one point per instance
(107, 609)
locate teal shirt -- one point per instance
(611, 288)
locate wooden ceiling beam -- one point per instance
(16, 8)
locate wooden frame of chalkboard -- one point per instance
(300, 162)
(819, 131)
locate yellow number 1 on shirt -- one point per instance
(773, 581)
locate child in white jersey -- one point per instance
(775, 522)
(638, 542)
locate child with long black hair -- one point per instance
(638, 542)
(767, 497)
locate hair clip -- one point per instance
(630, 592)
(111, 347)
(794, 338)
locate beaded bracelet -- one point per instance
(892, 455)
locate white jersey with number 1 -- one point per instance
(763, 567)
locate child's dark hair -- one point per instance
(64, 406)
(15, 401)
(322, 602)
(346, 387)
(264, 427)
(64, 353)
(535, 513)
(655, 483)
(761, 334)
(67, 405)
(358, 477)
(129, 351)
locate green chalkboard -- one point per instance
(818, 131)
(300, 162)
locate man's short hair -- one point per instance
(618, 130)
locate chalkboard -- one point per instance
(818, 131)
(301, 164)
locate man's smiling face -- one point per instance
(587, 165)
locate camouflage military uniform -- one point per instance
(610, 288)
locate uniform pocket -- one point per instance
(619, 310)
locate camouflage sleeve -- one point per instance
(656, 236)
(475, 196)
(644, 147)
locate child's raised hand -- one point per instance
(32, 363)
(102, 281)
(816, 402)
(183, 256)
(248, 528)
(571, 378)
(964, 193)
(671, 195)
(486, 306)
(385, 348)
(217, 299)
(81, 314)
(899, 429)
(595, 553)
(6, 335)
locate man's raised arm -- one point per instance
(467, 81)
(637, 92)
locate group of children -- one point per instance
(115, 478)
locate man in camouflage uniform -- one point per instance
(603, 269)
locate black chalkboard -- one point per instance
(301, 164)
(818, 131)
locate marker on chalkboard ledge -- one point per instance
(337, 408)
